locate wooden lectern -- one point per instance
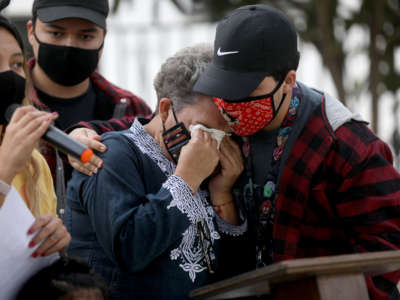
(340, 277)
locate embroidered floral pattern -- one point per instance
(149, 146)
(229, 229)
(189, 253)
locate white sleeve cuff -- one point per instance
(183, 199)
(229, 229)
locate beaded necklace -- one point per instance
(265, 207)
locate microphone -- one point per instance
(59, 140)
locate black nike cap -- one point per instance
(250, 43)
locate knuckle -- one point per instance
(40, 222)
(58, 221)
(91, 133)
(36, 121)
(53, 238)
(46, 232)
(31, 113)
(23, 109)
(48, 217)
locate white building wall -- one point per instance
(137, 44)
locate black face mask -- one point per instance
(175, 138)
(12, 87)
(67, 66)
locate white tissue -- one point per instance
(216, 134)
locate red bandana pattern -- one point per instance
(246, 118)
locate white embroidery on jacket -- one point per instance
(189, 253)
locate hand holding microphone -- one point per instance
(21, 136)
(52, 135)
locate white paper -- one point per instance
(16, 261)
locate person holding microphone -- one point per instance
(22, 166)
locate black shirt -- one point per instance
(73, 110)
(262, 145)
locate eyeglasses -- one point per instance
(206, 245)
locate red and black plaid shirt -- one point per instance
(339, 193)
(133, 105)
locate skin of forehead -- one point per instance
(69, 24)
(8, 47)
(205, 112)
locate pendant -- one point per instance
(278, 153)
(269, 189)
(281, 141)
(266, 207)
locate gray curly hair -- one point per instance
(179, 73)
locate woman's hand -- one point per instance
(197, 159)
(52, 232)
(92, 140)
(22, 135)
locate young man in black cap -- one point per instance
(67, 37)
(318, 181)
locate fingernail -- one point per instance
(44, 254)
(48, 119)
(95, 171)
(34, 255)
(30, 231)
(31, 244)
(55, 113)
(100, 164)
(102, 148)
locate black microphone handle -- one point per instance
(10, 111)
(61, 141)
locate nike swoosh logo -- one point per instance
(220, 53)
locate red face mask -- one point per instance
(249, 115)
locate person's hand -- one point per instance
(231, 166)
(22, 135)
(92, 140)
(197, 159)
(222, 181)
(50, 230)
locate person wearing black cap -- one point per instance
(318, 181)
(67, 37)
